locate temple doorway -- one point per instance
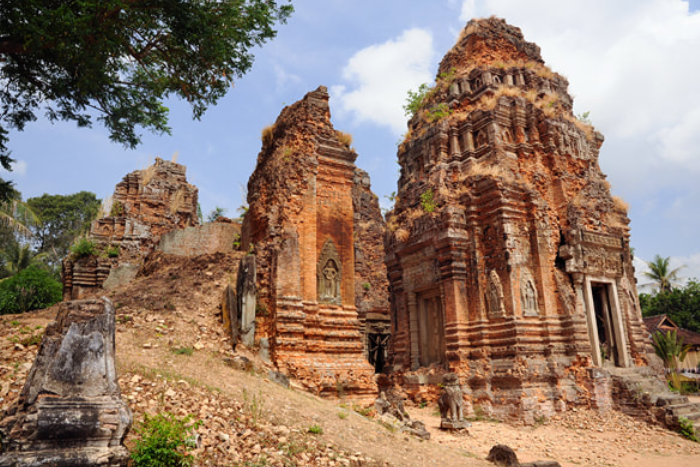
(378, 351)
(431, 330)
(605, 325)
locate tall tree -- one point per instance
(681, 304)
(661, 274)
(62, 219)
(119, 59)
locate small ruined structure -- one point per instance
(306, 215)
(146, 205)
(507, 256)
(70, 411)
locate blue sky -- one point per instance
(634, 64)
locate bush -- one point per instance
(164, 441)
(31, 289)
(83, 247)
(112, 251)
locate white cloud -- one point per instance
(379, 76)
(634, 65)
(282, 78)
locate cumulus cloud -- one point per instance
(377, 78)
(283, 78)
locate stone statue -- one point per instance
(451, 404)
(330, 274)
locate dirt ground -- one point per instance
(172, 355)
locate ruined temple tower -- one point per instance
(304, 198)
(508, 258)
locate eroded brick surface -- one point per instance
(145, 205)
(301, 227)
(508, 257)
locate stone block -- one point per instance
(70, 411)
(120, 275)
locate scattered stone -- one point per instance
(279, 378)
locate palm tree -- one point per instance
(17, 215)
(670, 348)
(19, 257)
(661, 274)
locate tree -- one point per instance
(661, 274)
(681, 304)
(63, 218)
(17, 216)
(19, 257)
(31, 289)
(119, 59)
(669, 347)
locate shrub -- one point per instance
(164, 441)
(414, 100)
(366, 286)
(344, 138)
(316, 430)
(112, 251)
(427, 202)
(83, 247)
(117, 209)
(31, 289)
(686, 428)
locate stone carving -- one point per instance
(495, 295)
(329, 274)
(70, 411)
(245, 302)
(529, 239)
(451, 404)
(528, 294)
(392, 412)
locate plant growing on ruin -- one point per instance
(83, 247)
(344, 138)
(164, 441)
(315, 430)
(117, 209)
(112, 251)
(366, 286)
(414, 100)
(427, 201)
(266, 135)
(438, 112)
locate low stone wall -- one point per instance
(199, 240)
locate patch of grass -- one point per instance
(266, 135)
(15, 323)
(342, 415)
(423, 404)
(364, 411)
(344, 138)
(32, 340)
(366, 286)
(427, 201)
(315, 430)
(253, 405)
(123, 319)
(189, 351)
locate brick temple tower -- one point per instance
(508, 258)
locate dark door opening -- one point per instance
(604, 324)
(378, 351)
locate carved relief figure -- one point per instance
(331, 287)
(329, 274)
(528, 294)
(495, 294)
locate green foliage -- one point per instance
(189, 351)
(164, 441)
(112, 251)
(438, 112)
(662, 277)
(117, 209)
(118, 60)
(585, 117)
(427, 202)
(366, 286)
(681, 305)
(414, 100)
(62, 218)
(83, 247)
(215, 213)
(315, 430)
(669, 347)
(31, 289)
(19, 257)
(686, 428)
